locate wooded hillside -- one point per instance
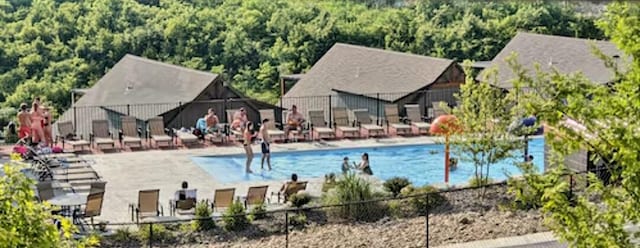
(48, 47)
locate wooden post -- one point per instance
(446, 159)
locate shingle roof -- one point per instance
(362, 70)
(136, 80)
(566, 54)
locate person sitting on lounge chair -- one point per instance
(295, 120)
(286, 187)
(185, 192)
(239, 120)
(212, 122)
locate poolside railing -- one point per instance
(376, 218)
(185, 114)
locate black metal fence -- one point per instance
(408, 220)
(185, 114)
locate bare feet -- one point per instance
(249, 171)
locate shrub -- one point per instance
(7, 115)
(258, 212)
(329, 182)
(160, 233)
(422, 203)
(203, 213)
(478, 182)
(234, 218)
(394, 185)
(529, 189)
(123, 235)
(300, 199)
(298, 219)
(353, 189)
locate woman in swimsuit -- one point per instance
(248, 136)
(48, 135)
(364, 165)
(37, 124)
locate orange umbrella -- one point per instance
(445, 125)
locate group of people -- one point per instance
(35, 123)
(241, 123)
(363, 166)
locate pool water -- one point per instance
(421, 164)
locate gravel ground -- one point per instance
(464, 218)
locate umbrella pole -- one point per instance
(446, 160)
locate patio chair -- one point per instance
(393, 120)
(319, 125)
(185, 137)
(292, 188)
(213, 137)
(223, 198)
(93, 207)
(97, 187)
(237, 135)
(148, 205)
(45, 190)
(158, 134)
(100, 135)
(255, 196)
(130, 133)
(416, 119)
(342, 124)
(184, 207)
(73, 177)
(274, 133)
(67, 135)
(364, 122)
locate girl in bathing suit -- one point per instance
(37, 124)
(248, 136)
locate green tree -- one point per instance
(26, 222)
(484, 115)
(607, 125)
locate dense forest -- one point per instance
(48, 47)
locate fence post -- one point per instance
(286, 227)
(330, 110)
(128, 109)
(378, 109)
(150, 235)
(427, 221)
(180, 114)
(75, 124)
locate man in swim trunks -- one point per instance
(294, 121)
(24, 120)
(266, 144)
(212, 121)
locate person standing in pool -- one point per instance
(345, 165)
(248, 136)
(364, 165)
(265, 144)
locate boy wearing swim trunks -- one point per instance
(24, 120)
(266, 144)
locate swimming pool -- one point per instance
(421, 164)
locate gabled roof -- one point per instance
(136, 80)
(566, 54)
(362, 70)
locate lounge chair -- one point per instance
(393, 120)
(130, 133)
(159, 134)
(416, 119)
(292, 188)
(73, 177)
(93, 207)
(100, 135)
(274, 133)
(223, 198)
(237, 135)
(148, 205)
(215, 137)
(343, 126)
(319, 125)
(186, 137)
(255, 196)
(364, 122)
(67, 135)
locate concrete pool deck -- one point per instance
(128, 172)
